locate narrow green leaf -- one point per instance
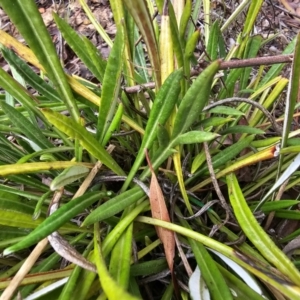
(32, 132)
(230, 82)
(11, 169)
(193, 137)
(68, 290)
(109, 286)
(185, 17)
(20, 93)
(68, 176)
(252, 48)
(76, 131)
(142, 18)
(30, 24)
(114, 206)
(242, 129)
(12, 202)
(225, 110)
(293, 93)
(164, 103)
(17, 219)
(119, 266)
(211, 275)
(256, 234)
(276, 69)
(226, 155)
(252, 13)
(214, 121)
(57, 219)
(148, 267)
(275, 205)
(111, 86)
(177, 42)
(127, 219)
(213, 41)
(267, 142)
(30, 76)
(239, 286)
(194, 100)
(89, 54)
(287, 214)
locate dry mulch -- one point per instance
(281, 17)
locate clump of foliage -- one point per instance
(142, 189)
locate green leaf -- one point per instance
(65, 213)
(293, 93)
(76, 131)
(119, 266)
(114, 206)
(226, 155)
(287, 214)
(164, 103)
(30, 24)
(68, 290)
(68, 176)
(142, 18)
(89, 54)
(30, 76)
(211, 275)
(18, 219)
(185, 17)
(177, 42)
(148, 267)
(209, 270)
(213, 41)
(110, 287)
(242, 129)
(256, 234)
(225, 110)
(111, 86)
(214, 121)
(276, 69)
(33, 133)
(252, 48)
(20, 93)
(274, 205)
(193, 137)
(128, 217)
(194, 100)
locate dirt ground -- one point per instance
(280, 18)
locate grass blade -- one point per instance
(109, 286)
(194, 101)
(256, 234)
(76, 131)
(88, 54)
(111, 86)
(32, 132)
(57, 219)
(30, 24)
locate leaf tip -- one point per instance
(7, 251)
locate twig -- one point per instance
(276, 127)
(231, 64)
(216, 186)
(29, 262)
(62, 246)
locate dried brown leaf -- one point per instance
(159, 211)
